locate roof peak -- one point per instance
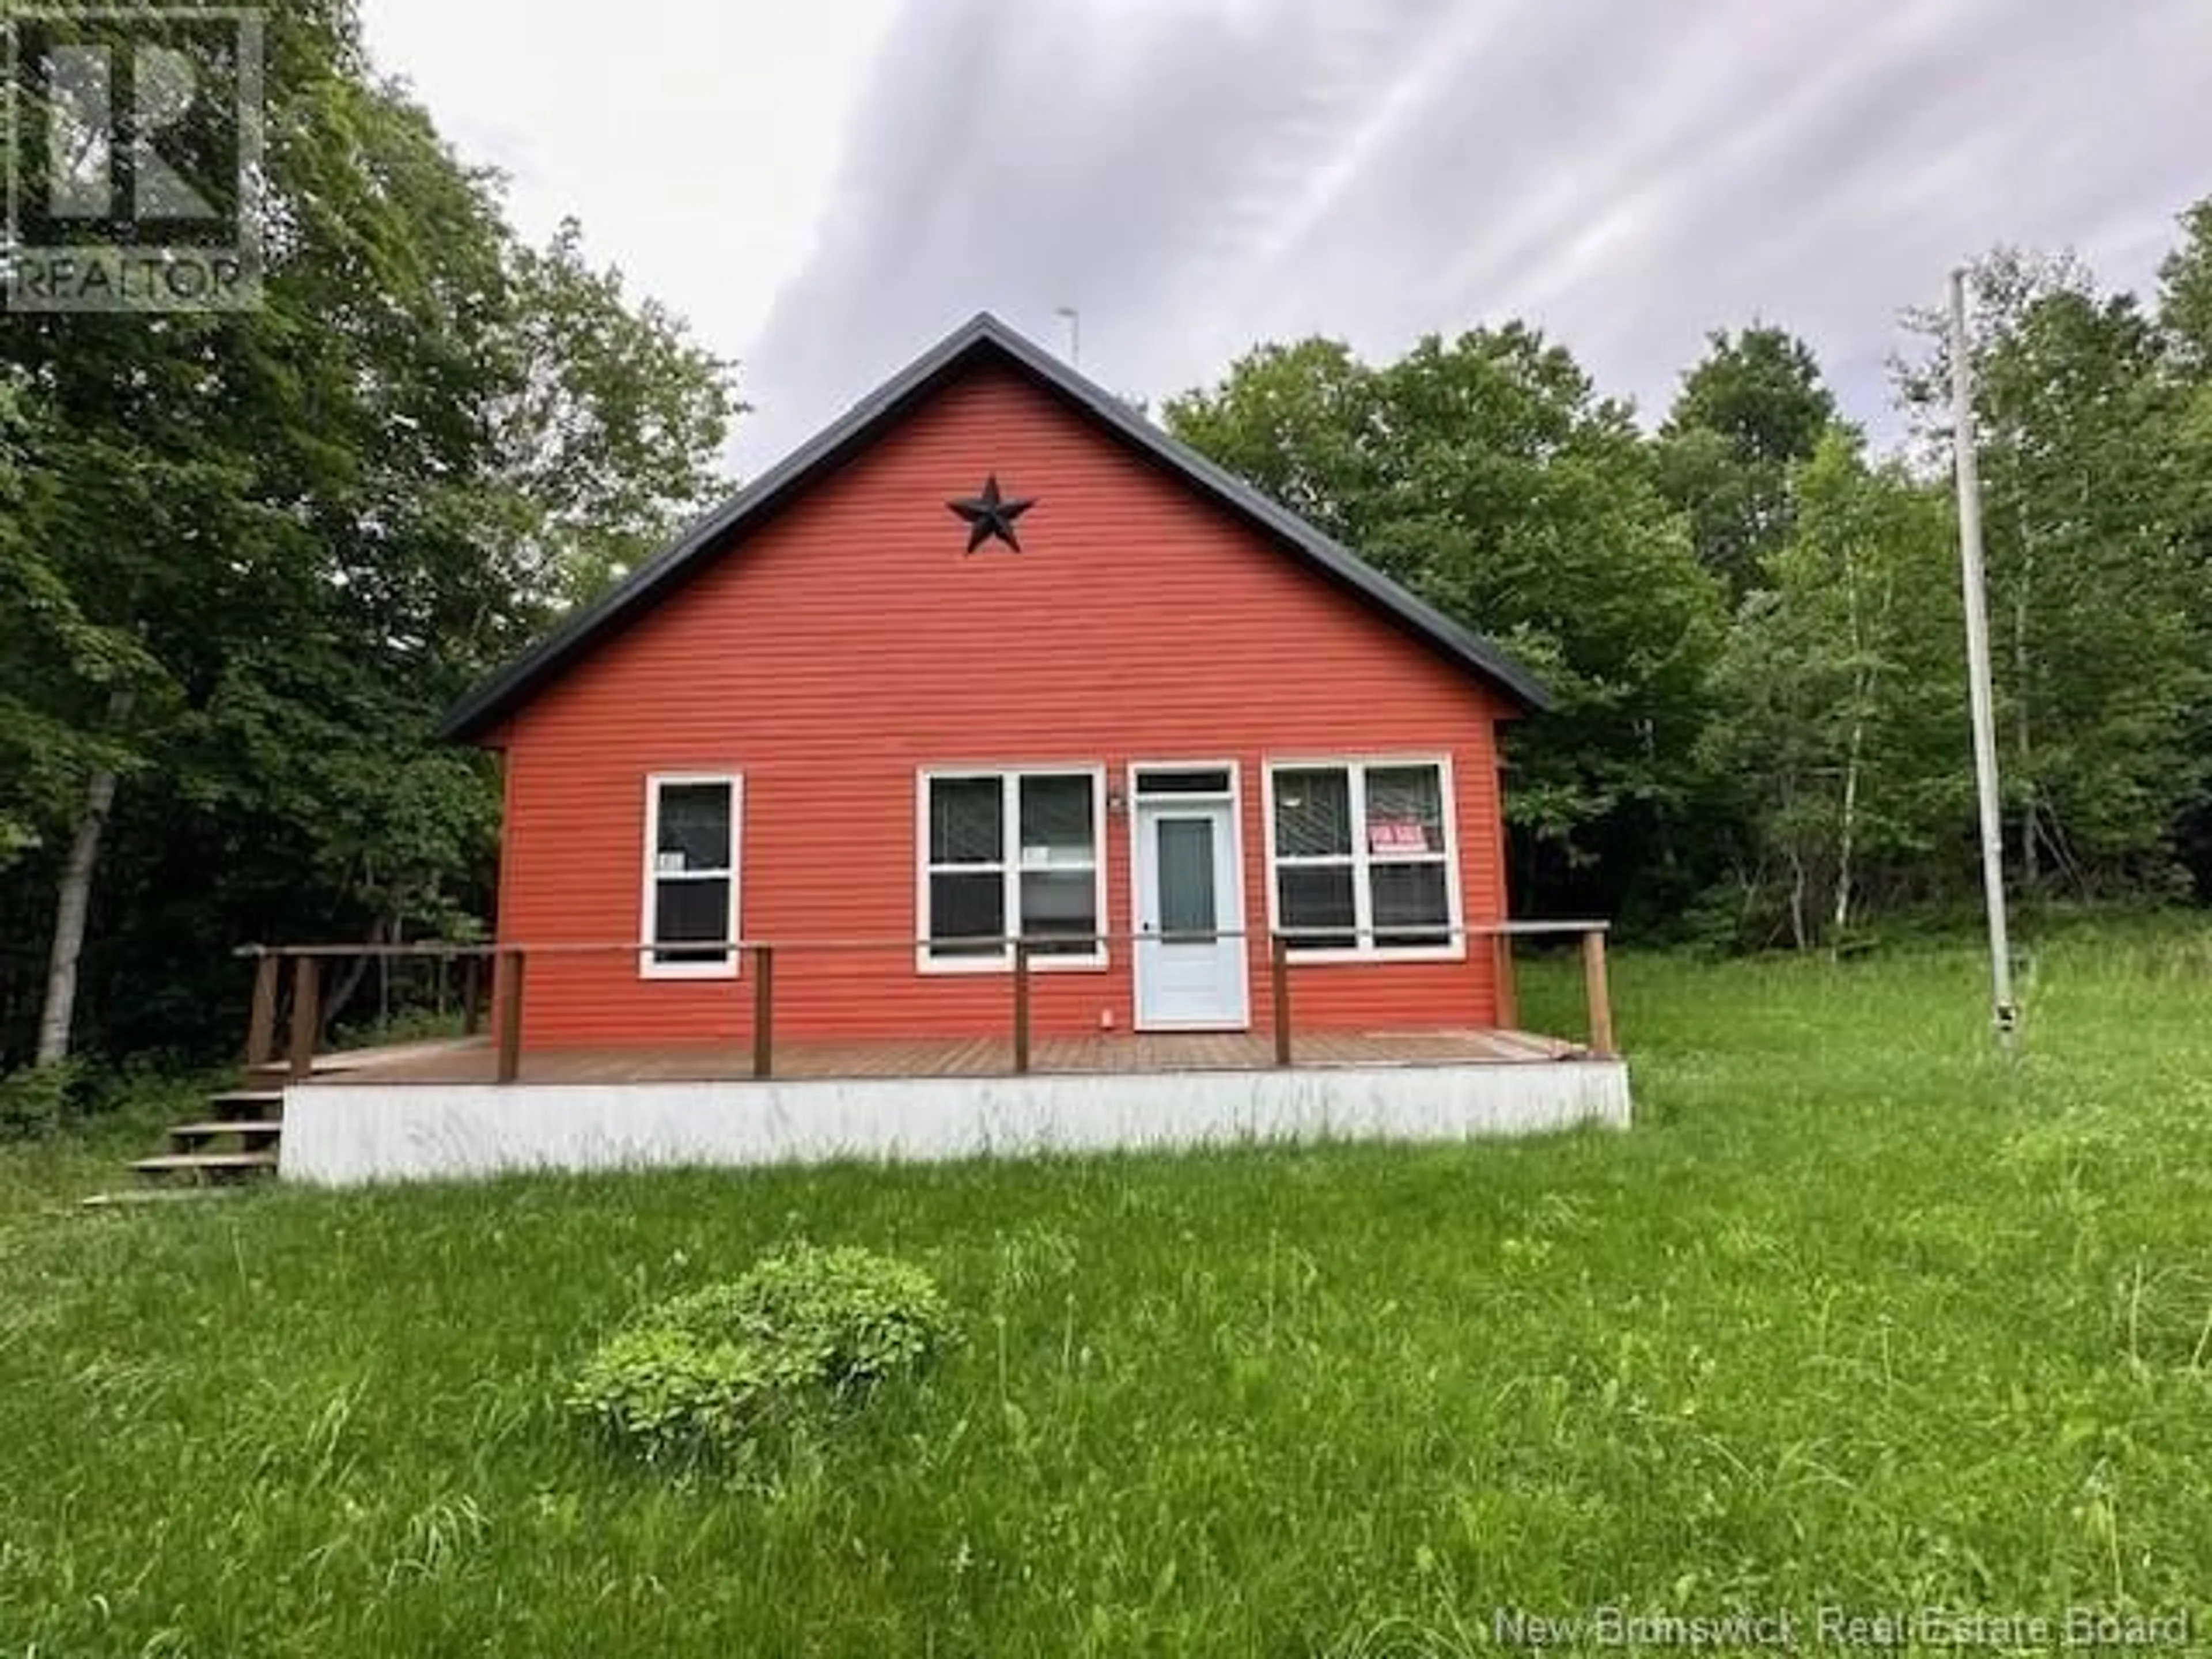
(508, 690)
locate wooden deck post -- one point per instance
(472, 994)
(1021, 1007)
(1508, 993)
(1279, 981)
(508, 1019)
(1595, 993)
(307, 1015)
(763, 1011)
(261, 1023)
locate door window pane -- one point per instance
(1206, 780)
(1318, 897)
(966, 821)
(1313, 813)
(1185, 849)
(970, 907)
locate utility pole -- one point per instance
(2005, 1013)
(1074, 334)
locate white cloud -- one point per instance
(823, 188)
(696, 141)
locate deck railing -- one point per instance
(304, 1016)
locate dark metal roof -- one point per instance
(506, 691)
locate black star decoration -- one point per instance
(991, 515)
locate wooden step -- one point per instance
(134, 1196)
(249, 1103)
(206, 1166)
(275, 1073)
(183, 1136)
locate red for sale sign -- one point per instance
(1398, 835)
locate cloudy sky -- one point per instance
(825, 187)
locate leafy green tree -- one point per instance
(46, 754)
(1749, 412)
(1303, 421)
(1840, 695)
(2184, 330)
(2185, 309)
(611, 434)
(2097, 607)
(1487, 474)
(269, 546)
(230, 489)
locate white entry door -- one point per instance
(1190, 949)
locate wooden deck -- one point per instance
(476, 1061)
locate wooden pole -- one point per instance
(1508, 993)
(1980, 701)
(1279, 979)
(471, 994)
(509, 1018)
(261, 1024)
(763, 1011)
(1021, 1007)
(1595, 993)
(307, 1015)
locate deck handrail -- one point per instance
(1007, 941)
(1022, 954)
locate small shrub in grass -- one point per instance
(704, 1374)
(34, 1102)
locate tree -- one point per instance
(45, 754)
(2098, 609)
(2185, 309)
(612, 433)
(1747, 414)
(1840, 694)
(221, 488)
(2184, 333)
(269, 546)
(1487, 475)
(1303, 421)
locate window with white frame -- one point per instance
(691, 832)
(1008, 853)
(1364, 861)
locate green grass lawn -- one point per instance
(1855, 1316)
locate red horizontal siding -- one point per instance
(852, 643)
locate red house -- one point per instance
(995, 680)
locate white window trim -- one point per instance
(727, 968)
(1356, 768)
(1010, 777)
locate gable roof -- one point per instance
(982, 337)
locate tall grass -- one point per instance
(1856, 1316)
